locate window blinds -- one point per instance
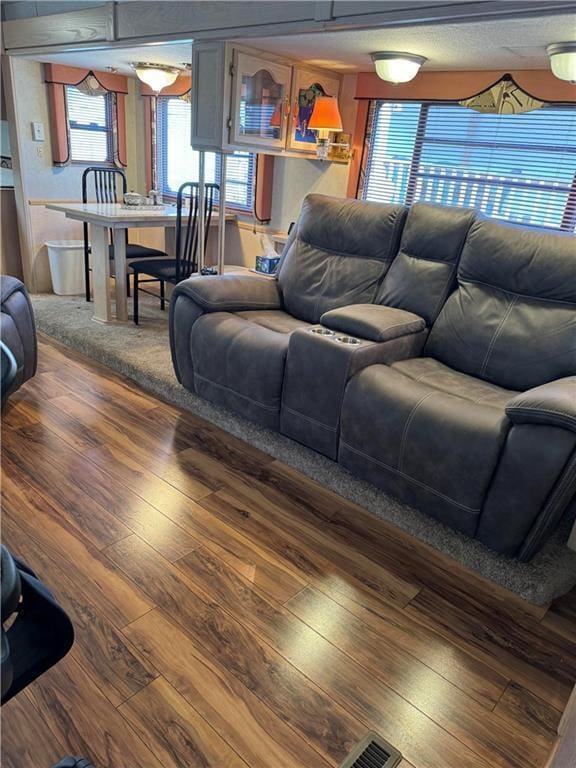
(177, 162)
(90, 126)
(519, 168)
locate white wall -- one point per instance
(295, 178)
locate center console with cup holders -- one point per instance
(322, 360)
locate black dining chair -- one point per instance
(186, 262)
(103, 185)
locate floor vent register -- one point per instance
(372, 752)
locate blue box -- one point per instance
(267, 264)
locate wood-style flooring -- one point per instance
(230, 613)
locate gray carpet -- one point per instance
(143, 355)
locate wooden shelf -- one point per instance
(293, 154)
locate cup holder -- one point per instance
(322, 331)
(347, 340)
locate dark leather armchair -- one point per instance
(18, 331)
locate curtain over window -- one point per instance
(519, 168)
(177, 162)
(90, 125)
(85, 82)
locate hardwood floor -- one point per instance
(230, 613)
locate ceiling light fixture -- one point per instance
(157, 76)
(397, 67)
(563, 60)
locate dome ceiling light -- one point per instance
(563, 60)
(397, 67)
(157, 76)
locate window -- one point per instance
(519, 168)
(90, 126)
(177, 162)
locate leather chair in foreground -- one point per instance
(432, 353)
(18, 331)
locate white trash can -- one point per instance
(66, 266)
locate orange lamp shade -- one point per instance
(276, 117)
(325, 115)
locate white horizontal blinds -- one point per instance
(519, 168)
(240, 168)
(177, 162)
(90, 126)
(392, 145)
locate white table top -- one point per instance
(115, 216)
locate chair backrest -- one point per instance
(104, 188)
(512, 319)
(187, 225)
(337, 254)
(104, 184)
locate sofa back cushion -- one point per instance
(423, 274)
(512, 320)
(338, 255)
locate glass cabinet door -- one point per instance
(306, 85)
(261, 103)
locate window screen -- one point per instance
(90, 126)
(519, 168)
(177, 162)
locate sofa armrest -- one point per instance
(553, 403)
(231, 292)
(373, 322)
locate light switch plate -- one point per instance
(38, 131)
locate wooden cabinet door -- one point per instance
(306, 85)
(207, 101)
(260, 101)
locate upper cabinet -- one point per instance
(260, 101)
(306, 85)
(247, 99)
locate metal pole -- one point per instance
(222, 214)
(153, 112)
(201, 209)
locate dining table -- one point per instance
(103, 217)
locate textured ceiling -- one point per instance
(175, 54)
(504, 44)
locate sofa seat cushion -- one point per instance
(428, 371)
(239, 361)
(427, 445)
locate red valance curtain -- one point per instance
(57, 77)
(456, 86)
